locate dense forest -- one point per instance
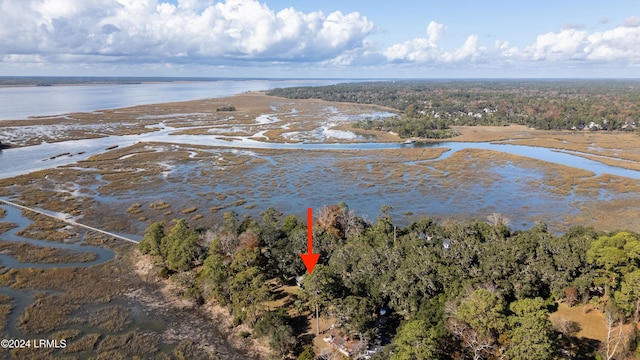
(453, 290)
(429, 107)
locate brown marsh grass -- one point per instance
(308, 114)
(111, 319)
(5, 310)
(6, 226)
(82, 344)
(27, 253)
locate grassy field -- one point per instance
(591, 322)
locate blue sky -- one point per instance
(303, 38)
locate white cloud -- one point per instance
(419, 49)
(434, 30)
(245, 33)
(619, 44)
(633, 21)
(202, 31)
(468, 50)
(427, 50)
(564, 45)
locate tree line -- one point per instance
(541, 104)
(454, 290)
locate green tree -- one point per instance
(277, 326)
(531, 335)
(320, 288)
(152, 242)
(181, 247)
(214, 274)
(248, 291)
(615, 256)
(356, 314)
(483, 311)
(270, 227)
(231, 222)
(416, 340)
(307, 353)
(627, 298)
(478, 322)
(283, 255)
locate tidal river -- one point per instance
(309, 178)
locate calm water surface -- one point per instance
(22, 102)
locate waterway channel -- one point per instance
(22, 299)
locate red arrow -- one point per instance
(310, 259)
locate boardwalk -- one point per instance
(68, 221)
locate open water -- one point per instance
(21, 102)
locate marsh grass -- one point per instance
(140, 171)
(69, 334)
(46, 228)
(84, 343)
(133, 120)
(6, 226)
(47, 313)
(5, 310)
(31, 353)
(129, 345)
(89, 308)
(189, 210)
(111, 319)
(159, 205)
(135, 208)
(27, 253)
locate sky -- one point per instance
(321, 39)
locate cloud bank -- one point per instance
(249, 33)
(191, 31)
(620, 45)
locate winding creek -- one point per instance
(19, 161)
(15, 216)
(22, 299)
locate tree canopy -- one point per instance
(485, 295)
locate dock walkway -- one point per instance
(68, 221)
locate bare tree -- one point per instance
(568, 327)
(479, 346)
(496, 219)
(614, 337)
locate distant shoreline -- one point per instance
(45, 81)
(66, 95)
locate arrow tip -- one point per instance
(310, 261)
